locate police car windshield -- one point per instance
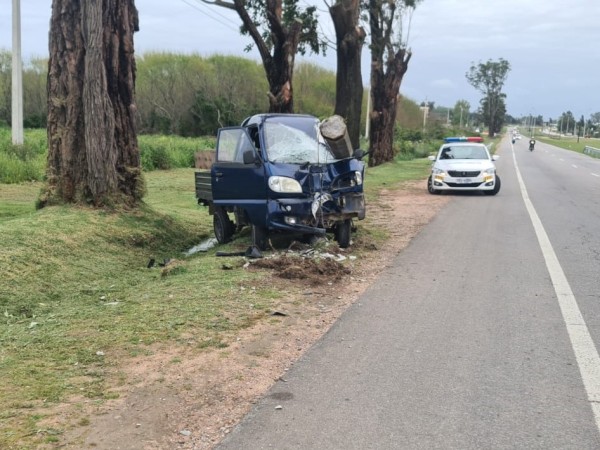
(295, 140)
(464, 152)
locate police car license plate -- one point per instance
(464, 180)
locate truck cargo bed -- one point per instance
(203, 187)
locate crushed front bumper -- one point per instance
(314, 215)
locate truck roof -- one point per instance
(260, 118)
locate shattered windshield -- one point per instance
(295, 140)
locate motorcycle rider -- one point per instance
(531, 144)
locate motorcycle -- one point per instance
(531, 145)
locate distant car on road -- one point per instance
(463, 164)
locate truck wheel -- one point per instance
(260, 237)
(343, 231)
(223, 226)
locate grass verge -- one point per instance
(77, 297)
(570, 143)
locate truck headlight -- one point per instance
(284, 185)
(358, 178)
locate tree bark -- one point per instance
(279, 67)
(385, 88)
(93, 156)
(350, 38)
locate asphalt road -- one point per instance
(482, 335)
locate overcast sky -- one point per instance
(553, 46)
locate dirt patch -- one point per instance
(314, 270)
(175, 399)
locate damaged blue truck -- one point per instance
(277, 173)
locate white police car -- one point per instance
(463, 164)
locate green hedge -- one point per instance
(28, 162)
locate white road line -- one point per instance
(581, 341)
(573, 166)
(560, 159)
(595, 174)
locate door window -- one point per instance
(232, 143)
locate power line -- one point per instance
(205, 11)
(215, 10)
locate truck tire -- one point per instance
(343, 231)
(260, 237)
(223, 226)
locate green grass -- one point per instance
(570, 143)
(17, 199)
(77, 298)
(391, 175)
(28, 162)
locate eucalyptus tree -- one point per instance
(566, 123)
(35, 108)
(279, 30)
(93, 156)
(488, 78)
(389, 23)
(349, 38)
(493, 112)
(460, 113)
(5, 85)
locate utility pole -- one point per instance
(368, 119)
(17, 76)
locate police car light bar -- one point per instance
(464, 139)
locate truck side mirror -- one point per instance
(359, 154)
(249, 157)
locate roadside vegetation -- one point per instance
(571, 142)
(77, 296)
(83, 290)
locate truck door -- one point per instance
(235, 183)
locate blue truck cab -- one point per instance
(277, 173)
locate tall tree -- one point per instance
(566, 123)
(493, 103)
(93, 156)
(460, 113)
(279, 30)
(389, 23)
(488, 78)
(35, 108)
(5, 85)
(350, 37)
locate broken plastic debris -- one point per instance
(203, 246)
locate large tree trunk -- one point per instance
(279, 66)
(349, 87)
(93, 156)
(280, 71)
(385, 87)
